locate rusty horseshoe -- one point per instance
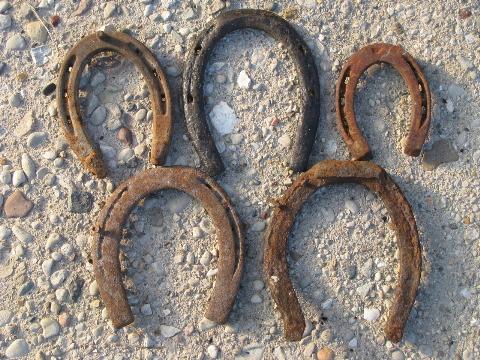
(417, 85)
(193, 79)
(108, 232)
(68, 102)
(336, 172)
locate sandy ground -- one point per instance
(343, 256)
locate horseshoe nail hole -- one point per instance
(189, 98)
(198, 48)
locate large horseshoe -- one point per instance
(69, 106)
(417, 85)
(333, 172)
(193, 79)
(108, 232)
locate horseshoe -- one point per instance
(108, 232)
(417, 85)
(338, 172)
(69, 106)
(193, 79)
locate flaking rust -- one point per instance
(108, 232)
(416, 83)
(194, 73)
(68, 102)
(340, 172)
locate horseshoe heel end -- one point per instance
(121, 318)
(359, 150)
(413, 144)
(94, 163)
(394, 332)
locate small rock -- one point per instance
(50, 327)
(15, 43)
(109, 10)
(17, 348)
(58, 277)
(441, 152)
(140, 115)
(206, 324)
(352, 344)
(173, 71)
(5, 317)
(40, 54)
(5, 22)
(449, 106)
(99, 115)
(398, 355)
(325, 354)
(326, 335)
(309, 350)
(21, 234)
(258, 285)
(25, 288)
(256, 299)
(188, 14)
(36, 139)
(15, 100)
(147, 311)
(212, 351)
(371, 314)
(80, 202)
(236, 139)
(26, 125)
(49, 89)
(36, 32)
(47, 267)
(364, 289)
(28, 166)
(97, 79)
(52, 240)
(168, 331)
(284, 141)
(206, 258)
(18, 178)
(223, 118)
(259, 226)
(243, 81)
(125, 155)
(17, 205)
(124, 135)
(351, 206)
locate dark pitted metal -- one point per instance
(193, 80)
(417, 85)
(68, 102)
(339, 172)
(108, 232)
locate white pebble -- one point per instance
(258, 285)
(206, 258)
(351, 206)
(58, 277)
(17, 349)
(140, 115)
(223, 118)
(212, 351)
(206, 324)
(50, 327)
(5, 317)
(371, 314)
(18, 178)
(168, 331)
(28, 166)
(243, 81)
(52, 240)
(47, 266)
(256, 299)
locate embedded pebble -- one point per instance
(26, 124)
(147, 310)
(124, 135)
(36, 32)
(47, 266)
(18, 178)
(28, 166)
(21, 234)
(140, 115)
(58, 277)
(5, 21)
(284, 141)
(256, 299)
(168, 331)
(206, 324)
(259, 226)
(398, 355)
(52, 240)
(15, 43)
(109, 10)
(5, 317)
(17, 348)
(99, 115)
(351, 206)
(441, 152)
(371, 314)
(212, 351)
(36, 139)
(50, 327)
(243, 81)
(223, 118)
(17, 205)
(325, 354)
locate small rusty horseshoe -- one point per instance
(334, 172)
(108, 232)
(194, 74)
(417, 85)
(69, 106)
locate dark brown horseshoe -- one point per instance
(417, 85)
(336, 172)
(193, 80)
(108, 232)
(68, 102)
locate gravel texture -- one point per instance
(342, 252)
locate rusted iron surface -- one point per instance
(337, 172)
(108, 232)
(417, 85)
(68, 102)
(194, 73)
